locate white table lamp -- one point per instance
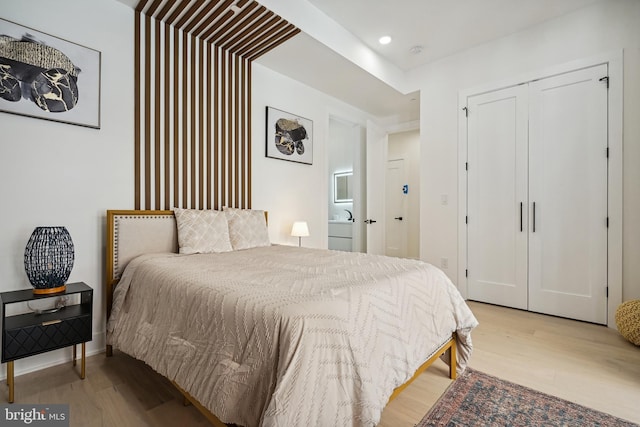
(300, 230)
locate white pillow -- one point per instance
(247, 228)
(202, 231)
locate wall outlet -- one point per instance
(444, 262)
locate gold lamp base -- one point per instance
(47, 291)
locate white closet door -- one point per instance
(497, 174)
(568, 185)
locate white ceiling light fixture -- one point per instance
(384, 40)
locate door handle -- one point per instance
(369, 221)
(399, 218)
(534, 217)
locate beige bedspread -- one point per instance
(284, 336)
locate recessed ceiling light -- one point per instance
(384, 40)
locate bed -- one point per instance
(274, 335)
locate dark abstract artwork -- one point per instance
(289, 137)
(46, 77)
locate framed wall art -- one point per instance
(47, 77)
(289, 137)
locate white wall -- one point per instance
(293, 191)
(606, 26)
(406, 145)
(59, 174)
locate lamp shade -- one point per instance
(48, 259)
(300, 229)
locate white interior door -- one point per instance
(568, 185)
(497, 196)
(359, 190)
(396, 210)
(377, 142)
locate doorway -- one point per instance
(361, 152)
(402, 195)
(346, 204)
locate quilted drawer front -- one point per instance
(34, 339)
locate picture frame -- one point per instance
(288, 136)
(46, 77)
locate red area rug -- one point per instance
(477, 399)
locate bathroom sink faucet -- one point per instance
(350, 215)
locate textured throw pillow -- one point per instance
(247, 228)
(202, 231)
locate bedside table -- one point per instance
(29, 334)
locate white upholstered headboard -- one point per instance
(135, 232)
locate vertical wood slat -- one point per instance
(216, 129)
(192, 124)
(223, 128)
(210, 157)
(156, 121)
(176, 119)
(147, 113)
(185, 159)
(248, 124)
(136, 108)
(167, 117)
(236, 132)
(243, 134)
(229, 139)
(195, 101)
(201, 119)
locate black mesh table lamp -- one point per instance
(48, 259)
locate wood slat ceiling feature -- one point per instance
(243, 27)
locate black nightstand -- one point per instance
(28, 334)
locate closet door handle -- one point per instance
(520, 216)
(534, 217)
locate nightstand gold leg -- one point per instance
(82, 369)
(74, 355)
(10, 380)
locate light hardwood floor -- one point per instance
(588, 364)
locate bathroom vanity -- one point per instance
(341, 235)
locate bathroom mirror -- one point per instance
(342, 187)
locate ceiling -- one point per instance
(440, 28)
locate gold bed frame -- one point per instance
(114, 269)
